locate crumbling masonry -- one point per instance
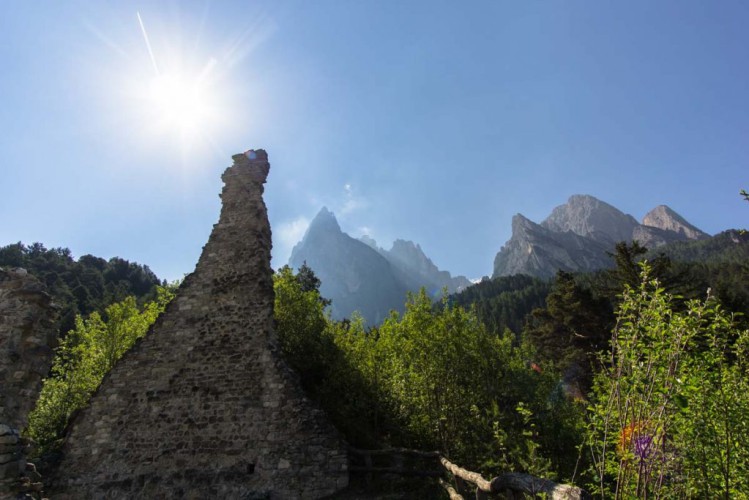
(27, 334)
(203, 406)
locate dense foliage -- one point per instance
(571, 330)
(720, 264)
(630, 385)
(84, 356)
(83, 286)
(669, 413)
(432, 378)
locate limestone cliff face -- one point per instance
(538, 251)
(578, 235)
(203, 406)
(27, 335)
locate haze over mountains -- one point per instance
(359, 275)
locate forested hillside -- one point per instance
(504, 302)
(730, 246)
(81, 286)
(569, 319)
(688, 269)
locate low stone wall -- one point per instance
(203, 406)
(27, 335)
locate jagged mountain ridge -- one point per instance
(358, 275)
(417, 269)
(352, 274)
(577, 235)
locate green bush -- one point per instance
(669, 414)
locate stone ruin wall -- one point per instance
(28, 332)
(203, 406)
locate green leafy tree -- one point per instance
(301, 324)
(84, 356)
(711, 428)
(472, 394)
(436, 363)
(356, 372)
(331, 358)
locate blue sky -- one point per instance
(430, 121)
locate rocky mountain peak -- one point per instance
(663, 217)
(588, 216)
(323, 229)
(411, 255)
(407, 249)
(325, 220)
(578, 236)
(520, 222)
(412, 260)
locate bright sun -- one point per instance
(180, 98)
(180, 103)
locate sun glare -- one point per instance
(179, 97)
(180, 103)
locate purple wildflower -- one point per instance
(642, 446)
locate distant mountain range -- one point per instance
(358, 275)
(578, 235)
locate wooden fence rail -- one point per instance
(436, 465)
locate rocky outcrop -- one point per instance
(662, 217)
(358, 275)
(578, 236)
(203, 406)
(592, 218)
(27, 335)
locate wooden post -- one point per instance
(454, 495)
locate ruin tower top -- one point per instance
(251, 156)
(254, 161)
